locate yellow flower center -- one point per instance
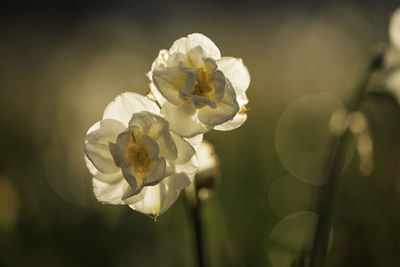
(205, 85)
(138, 156)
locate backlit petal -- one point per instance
(126, 104)
(226, 109)
(236, 72)
(183, 119)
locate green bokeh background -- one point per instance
(58, 74)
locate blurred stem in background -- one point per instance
(339, 149)
(193, 205)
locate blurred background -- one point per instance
(62, 62)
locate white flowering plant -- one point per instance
(143, 151)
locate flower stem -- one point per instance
(194, 206)
(327, 192)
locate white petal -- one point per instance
(226, 109)
(157, 173)
(206, 156)
(177, 58)
(151, 146)
(104, 131)
(201, 101)
(126, 104)
(118, 148)
(183, 119)
(196, 56)
(110, 193)
(96, 144)
(160, 132)
(394, 29)
(236, 72)
(158, 198)
(219, 85)
(155, 95)
(185, 44)
(187, 158)
(239, 118)
(157, 128)
(107, 178)
(185, 150)
(161, 60)
(195, 141)
(169, 81)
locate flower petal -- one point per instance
(118, 149)
(107, 178)
(187, 158)
(161, 60)
(239, 118)
(183, 120)
(158, 198)
(160, 132)
(169, 81)
(126, 104)
(151, 146)
(236, 72)
(394, 29)
(157, 128)
(157, 173)
(226, 109)
(110, 193)
(96, 144)
(185, 44)
(195, 141)
(201, 101)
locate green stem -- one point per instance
(194, 207)
(327, 192)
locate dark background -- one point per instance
(63, 62)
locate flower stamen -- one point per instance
(138, 155)
(204, 86)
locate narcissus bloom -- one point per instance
(135, 159)
(197, 89)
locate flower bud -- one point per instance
(208, 174)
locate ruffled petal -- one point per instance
(187, 158)
(160, 132)
(104, 177)
(110, 193)
(239, 118)
(126, 104)
(185, 44)
(236, 72)
(151, 145)
(226, 109)
(161, 60)
(158, 198)
(96, 144)
(183, 119)
(195, 141)
(169, 81)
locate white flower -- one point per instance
(208, 160)
(394, 29)
(197, 89)
(392, 56)
(208, 173)
(135, 159)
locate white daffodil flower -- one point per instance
(134, 158)
(197, 89)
